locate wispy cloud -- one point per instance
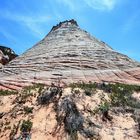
(31, 22)
(73, 5)
(101, 4)
(69, 3)
(8, 36)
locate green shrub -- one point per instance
(121, 94)
(87, 87)
(38, 86)
(28, 110)
(26, 126)
(120, 99)
(7, 92)
(22, 98)
(122, 88)
(104, 107)
(88, 92)
(83, 85)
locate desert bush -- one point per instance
(104, 107)
(26, 126)
(28, 110)
(120, 99)
(35, 86)
(88, 88)
(83, 85)
(123, 88)
(21, 99)
(121, 94)
(7, 92)
(88, 92)
(124, 98)
(68, 113)
(47, 96)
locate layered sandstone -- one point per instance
(69, 54)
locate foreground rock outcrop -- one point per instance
(1, 57)
(6, 55)
(77, 112)
(69, 54)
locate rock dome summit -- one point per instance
(69, 54)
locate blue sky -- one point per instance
(116, 22)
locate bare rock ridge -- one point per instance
(64, 22)
(69, 54)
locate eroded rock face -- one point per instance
(1, 56)
(74, 115)
(69, 54)
(6, 55)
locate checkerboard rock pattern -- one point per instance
(69, 54)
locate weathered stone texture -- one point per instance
(70, 54)
(6, 55)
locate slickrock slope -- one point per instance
(69, 54)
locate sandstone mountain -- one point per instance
(87, 108)
(6, 55)
(69, 54)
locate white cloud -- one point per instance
(101, 4)
(34, 24)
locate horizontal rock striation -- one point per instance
(69, 54)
